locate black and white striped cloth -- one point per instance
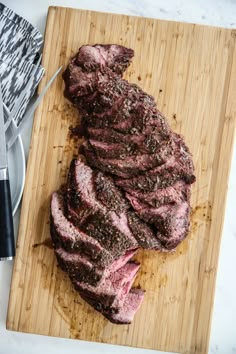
(20, 44)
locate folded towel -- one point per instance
(20, 44)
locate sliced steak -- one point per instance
(144, 197)
(108, 194)
(122, 150)
(79, 267)
(81, 74)
(119, 145)
(115, 57)
(179, 223)
(82, 269)
(65, 234)
(147, 142)
(163, 217)
(111, 292)
(109, 150)
(175, 194)
(78, 82)
(124, 120)
(159, 177)
(172, 222)
(144, 234)
(108, 227)
(126, 313)
(129, 166)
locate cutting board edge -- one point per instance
(200, 25)
(229, 129)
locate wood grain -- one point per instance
(191, 71)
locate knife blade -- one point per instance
(31, 110)
(7, 242)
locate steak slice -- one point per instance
(139, 109)
(160, 177)
(174, 227)
(109, 150)
(129, 166)
(144, 234)
(146, 142)
(122, 120)
(82, 73)
(112, 144)
(108, 194)
(125, 314)
(65, 234)
(78, 82)
(157, 216)
(79, 267)
(111, 292)
(106, 99)
(82, 269)
(113, 56)
(122, 150)
(172, 222)
(110, 228)
(175, 194)
(119, 105)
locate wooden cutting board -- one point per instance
(191, 71)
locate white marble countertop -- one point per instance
(223, 332)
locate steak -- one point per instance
(175, 194)
(161, 217)
(115, 118)
(111, 292)
(125, 314)
(81, 72)
(115, 57)
(159, 177)
(134, 192)
(65, 234)
(147, 142)
(82, 269)
(79, 267)
(144, 233)
(108, 150)
(129, 166)
(108, 194)
(171, 221)
(173, 228)
(110, 228)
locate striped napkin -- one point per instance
(20, 44)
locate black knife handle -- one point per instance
(7, 242)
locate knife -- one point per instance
(7, 242)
